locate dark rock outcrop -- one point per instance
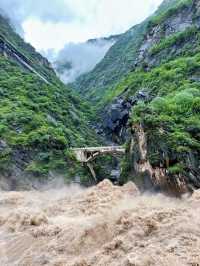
(115, 118)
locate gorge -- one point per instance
(154, 92)
(102, 169)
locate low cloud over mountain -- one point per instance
(77, 59)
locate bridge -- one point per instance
(89, 154)
(86, 155)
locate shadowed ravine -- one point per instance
(102, 225)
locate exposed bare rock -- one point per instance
(156, 177)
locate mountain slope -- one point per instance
(148, 87)
(39, 120)
(40, 63)
(75, 59)
(118, 62)
(164, 92)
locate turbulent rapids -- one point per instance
(103, 225)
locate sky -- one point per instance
(51, 24)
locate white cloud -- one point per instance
(81, 58)
(43, 10)
(53, 23)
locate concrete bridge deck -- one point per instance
(88, 154)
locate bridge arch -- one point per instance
(89, 154)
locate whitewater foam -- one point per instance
(102, 225)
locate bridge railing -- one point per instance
(99, 148)
(88, 154)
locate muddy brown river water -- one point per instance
(104, 225)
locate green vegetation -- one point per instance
(168, 11)
(176, 39)
(39, 123)
(118, 62)
(176, 169)
(172, 119)
(172, 76)
(39, 120)
(38, 62)
(98, 86)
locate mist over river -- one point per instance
(98, 226)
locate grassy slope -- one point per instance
(172, 119)
(98, 86)
(37, 61)
(38, 122)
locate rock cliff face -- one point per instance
(118, 62)
(161, 122)
(186, 20)
(115, 118)
(149, 86)
(157, 176)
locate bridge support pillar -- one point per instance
(90, 166)
(87, 155)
